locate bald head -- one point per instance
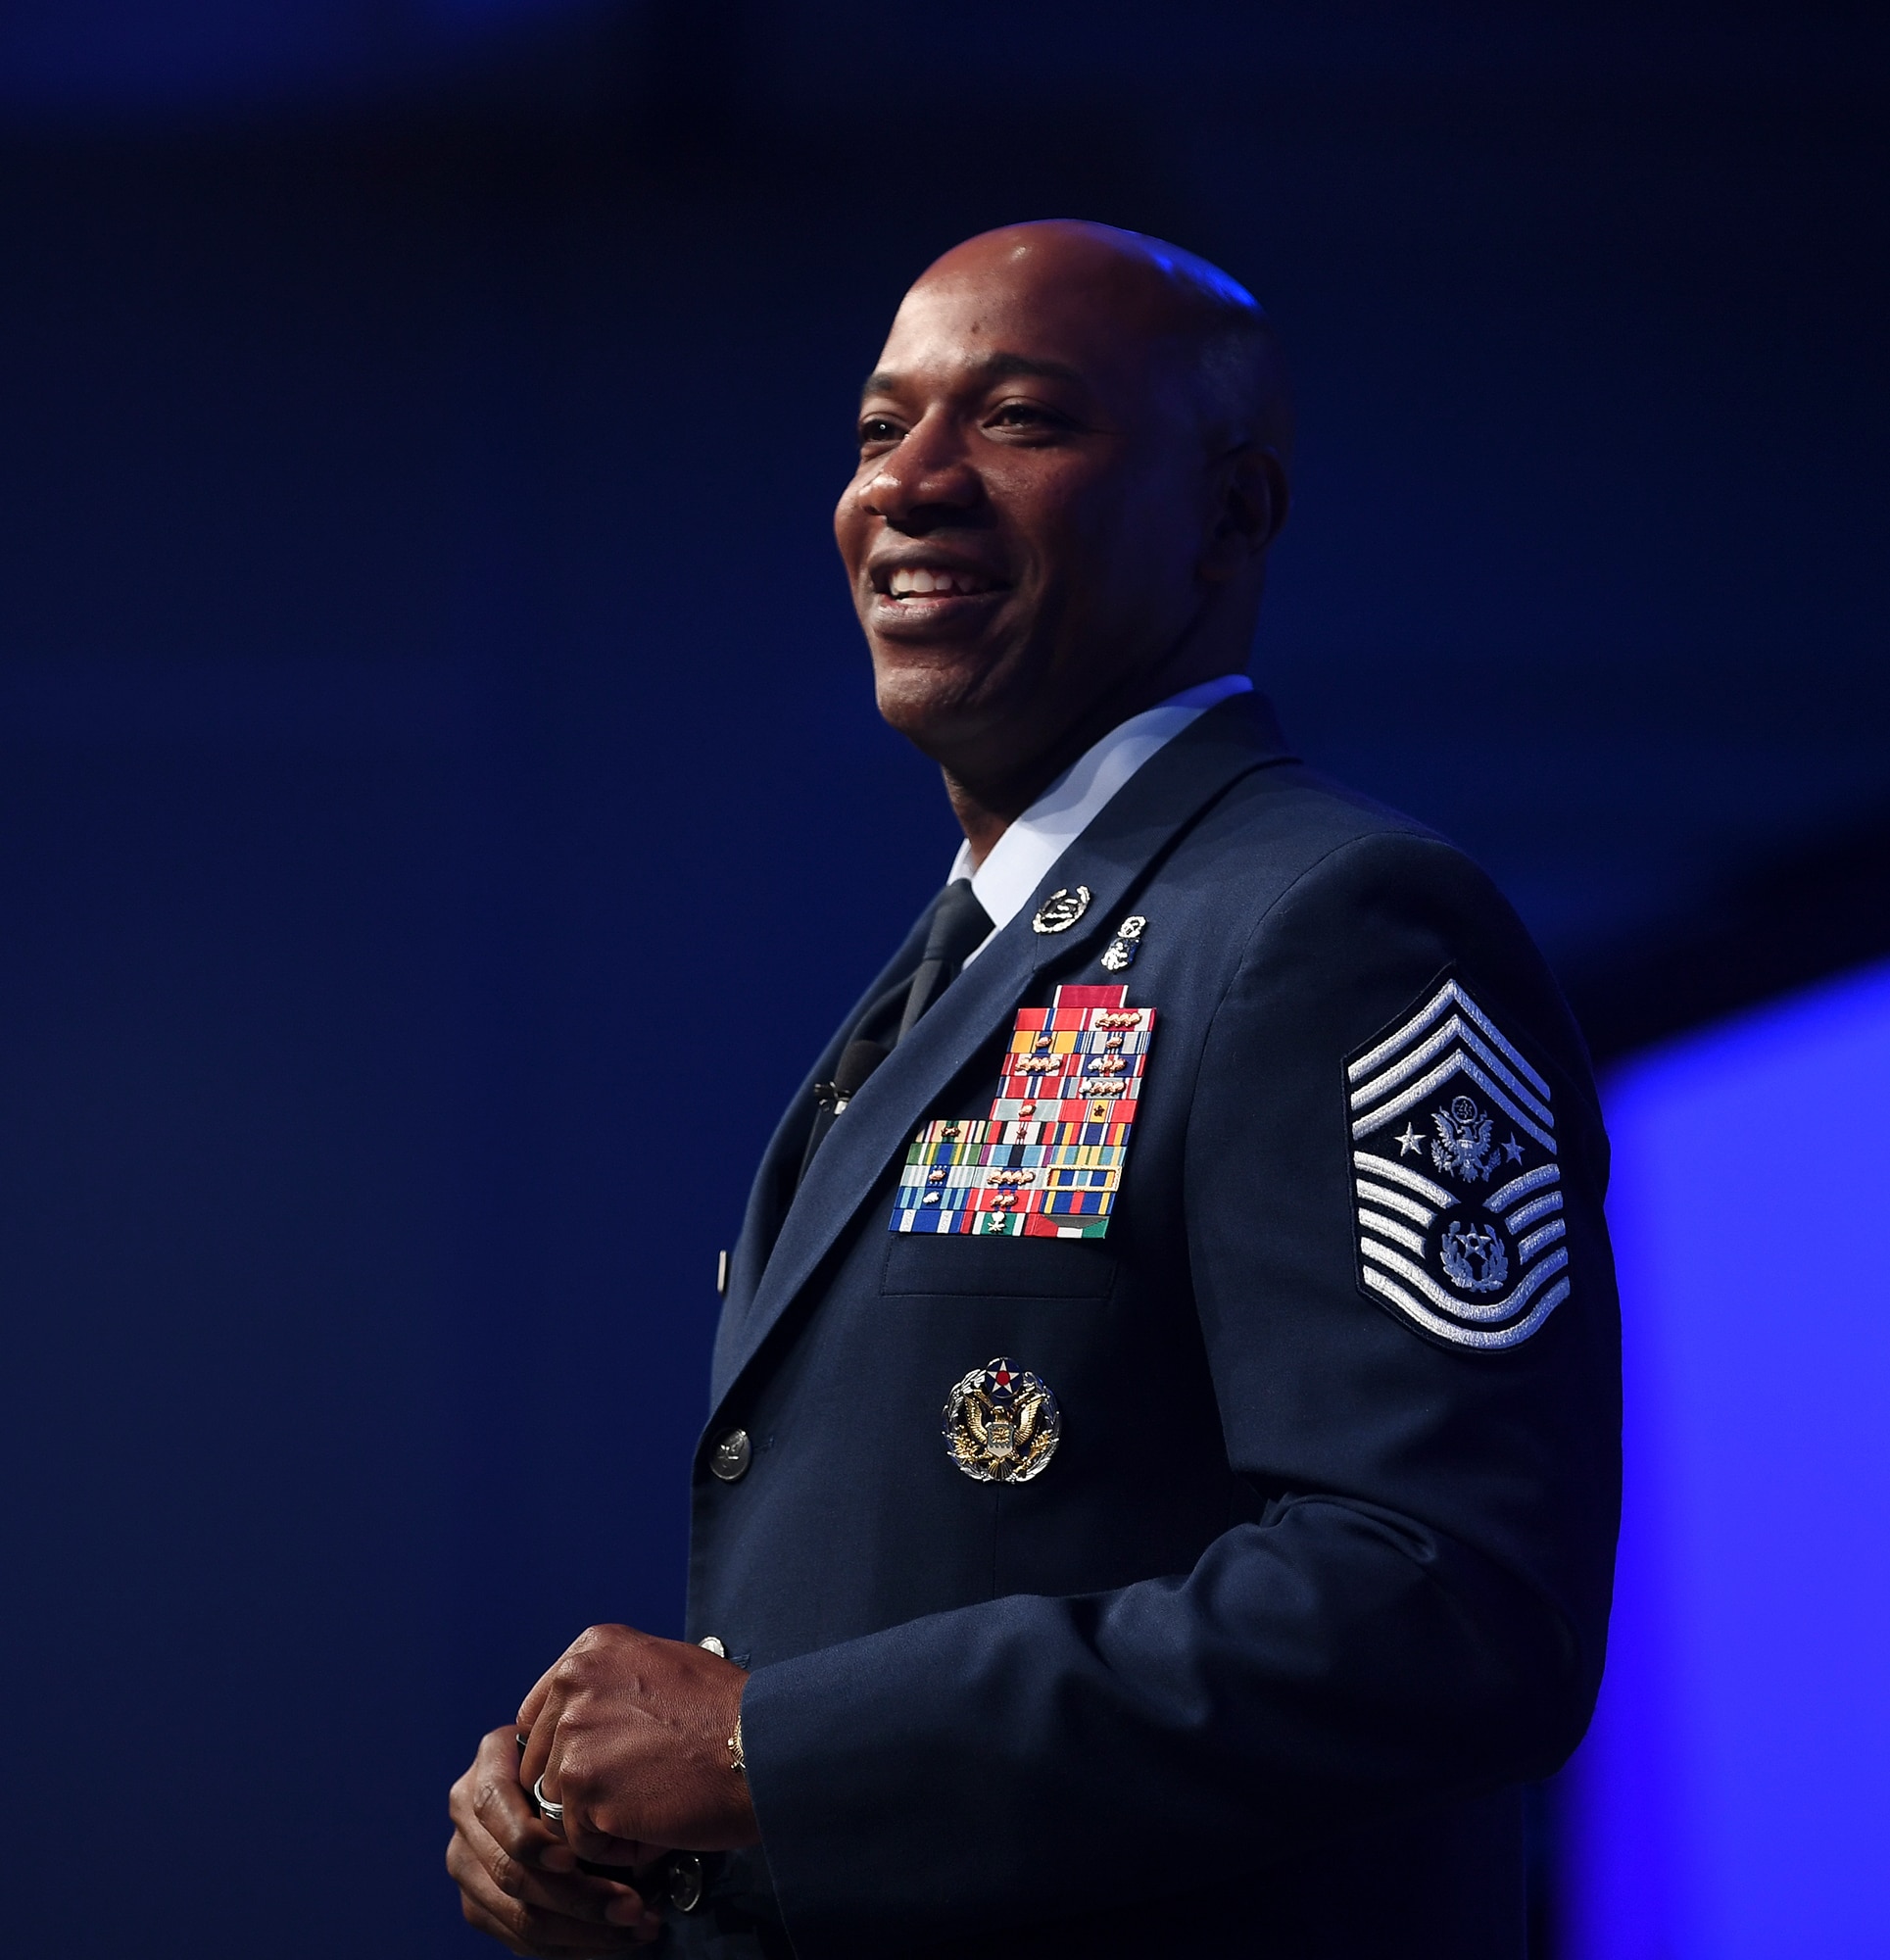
(1217, 331)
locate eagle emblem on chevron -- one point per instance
(1462, 1145)
(1456, 1187)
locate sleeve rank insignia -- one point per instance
(1047, 1162)
(1456, 1190)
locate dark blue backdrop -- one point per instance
(443, 806)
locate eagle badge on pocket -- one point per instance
(1002, 1424)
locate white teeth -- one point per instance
(915, 581)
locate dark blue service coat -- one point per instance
(1319, 1573)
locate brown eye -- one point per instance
(875, 428)
(1027, 416)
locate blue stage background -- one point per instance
(443, 808)
(1727, 1803)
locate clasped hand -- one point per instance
(630, 1734)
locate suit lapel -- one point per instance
(773, 1187)
(1163, 796)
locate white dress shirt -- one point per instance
(1017, 861)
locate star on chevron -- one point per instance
(1411, 1140)
(1512, 1149)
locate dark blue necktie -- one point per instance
(959, 926)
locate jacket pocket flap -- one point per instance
(934, 1263)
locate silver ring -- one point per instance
(546, 1807)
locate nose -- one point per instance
(927, 475)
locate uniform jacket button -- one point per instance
(685, 1880)
(729, 1460)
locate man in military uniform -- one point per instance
(1160, 1487)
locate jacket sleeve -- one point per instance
(1414, 1606)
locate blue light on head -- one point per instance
(1200, 273)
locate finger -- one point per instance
(598, 1847)
(500, 1758)
(533, 1705)
(536, 1777)
(585, 1899)
(539, 1737)
(537, 1924)
(496, 1762)
(481, 1921)
(577, 1895)
(532, 1924)
(491, 1794)
(548, 1943)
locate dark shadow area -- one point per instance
(1790, 919)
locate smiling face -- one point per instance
(1048, 531)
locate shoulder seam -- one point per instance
(1428, 839)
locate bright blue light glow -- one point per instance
(1728, 1804)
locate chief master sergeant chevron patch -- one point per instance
(1455, 1189)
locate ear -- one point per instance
(1250, 495)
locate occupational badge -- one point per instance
(1048, 1162)
(1457, 1192)
(1002, 1424)
(1119, 953)
(1061, 911)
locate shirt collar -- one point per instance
(1035, 841)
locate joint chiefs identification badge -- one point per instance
(1456, 1194)
(1002, 1424)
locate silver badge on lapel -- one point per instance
(1121, 949)
(1456, 1191)
(1061, 911)
(1002, 1424)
